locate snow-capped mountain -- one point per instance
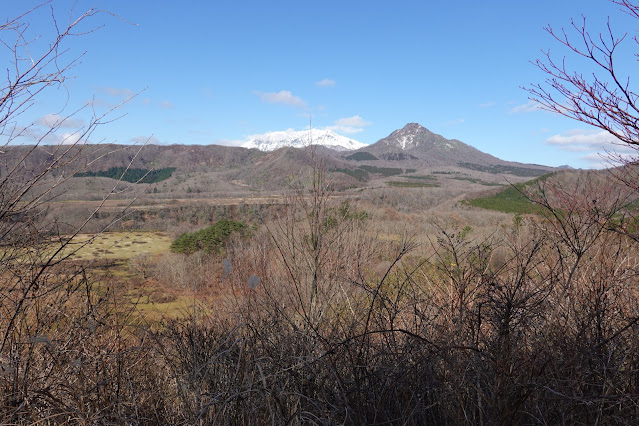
(417, 139)
(414, 136)
(415, 142)
(299, 139)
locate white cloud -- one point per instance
(349, 125)
(45, 136)
(487, 104)
(56, 120)
(597, 145)
(327, 82)
(63, 138)
(596, 160)
(281, 97)
(166, 104)
(70, 138)
(56, 129)
(604, 160)
(355, 121)
(529, 106)
(231, 142)
(454, 122)
(580, 140)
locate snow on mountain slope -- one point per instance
(299, 139)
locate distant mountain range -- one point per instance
(281, 156)
(415, 146)
(301, 139)
(411, 144)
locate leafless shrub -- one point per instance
(319, 321)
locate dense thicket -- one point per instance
(362, 156)
(132, 175)
(537, 324)
(497, 169)
(321, 320)
(209, 239)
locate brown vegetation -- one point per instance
(326, 315)
(316, 320)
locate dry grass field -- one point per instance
(414, 281)
(123, 245)
(377, 304)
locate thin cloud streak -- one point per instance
(600, 148)
(529, 106)
(57, 120)
(327, 82)
(349, 125)
(282, 97)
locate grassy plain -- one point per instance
(120, 245)
(159, 284)
(117, 259)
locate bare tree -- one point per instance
(45, 320)
(603, 97)
(606, 99)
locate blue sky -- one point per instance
(217, 72)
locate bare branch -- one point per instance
(605, 99)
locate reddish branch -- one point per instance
(604, 99)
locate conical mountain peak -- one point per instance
(413, 128)
(412, 135)
(414, 142)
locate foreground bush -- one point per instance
(210, 239)
(515, 329)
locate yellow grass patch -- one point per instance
(119, 245)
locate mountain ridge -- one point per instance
(416, 145)
(412, 149)
(272, 141)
